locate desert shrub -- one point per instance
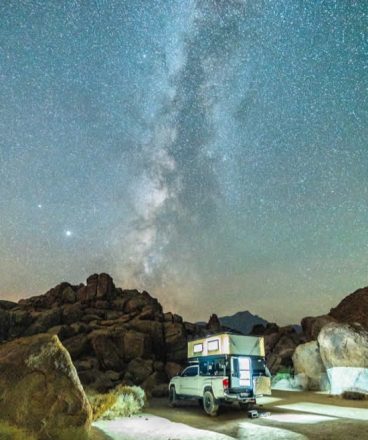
(122, 401)
(354, 395)
(100, 403)
(8, 432)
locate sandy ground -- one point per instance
(294, 416)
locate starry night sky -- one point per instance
(212, 152)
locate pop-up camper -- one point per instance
(223, 368)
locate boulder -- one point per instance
(135, 304)
(109, 349)
(172, 369)
(156, 332)
(344, 352)
(20, 320)
(136, 344)
(68, 295)
(105, 287)
(280, 347)
(71, 313)
(77, 345)
(86, 294)
(138, 370)
(312, 325)
(308, 362)
(40, 389)
(175, 341)
(44, 321)
(106, 380)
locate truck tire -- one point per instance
(210, 404)
(172, 397)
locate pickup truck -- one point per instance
(220, 385)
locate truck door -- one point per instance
(240, 372)
(189, 381)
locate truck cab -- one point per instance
(223, 368)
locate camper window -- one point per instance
(213, 345)
(198, 348)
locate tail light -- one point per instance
(225, 382)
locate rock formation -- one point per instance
(113, 335)
(123, 336)
(353, 308)
(280, 344)
(40, 389)
(214, 324)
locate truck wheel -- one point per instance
(210, 404)
(172, 397)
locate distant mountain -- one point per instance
(242, 321)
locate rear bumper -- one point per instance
(238, 398)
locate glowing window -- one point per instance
(244, 363)
(198, 348)
(213, 345)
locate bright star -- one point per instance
(68, 233)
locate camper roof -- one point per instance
(226, 344)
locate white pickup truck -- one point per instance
(217, 376)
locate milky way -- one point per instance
(213, 153)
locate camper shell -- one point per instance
(230, 367)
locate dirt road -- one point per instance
(294, 416)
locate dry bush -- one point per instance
(8, 432)
(122, 401)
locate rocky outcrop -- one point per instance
(309, 367)
(280, 344)
(40, 389)
(108, 331)
(214, 324)
(312, 325)
(353, 308)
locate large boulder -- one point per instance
(108, 347)
(344, 352)
(40, 389)
(308, 364)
